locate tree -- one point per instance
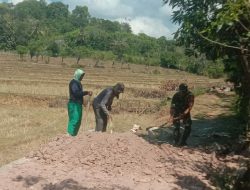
(53, 48)
(80, 52)
(125, 27)
(58, 18)
(57, 10)
(98, 56)
(220, 29)
(80, 16)
(5, 8)
(33, 49)
(30, 8)
(23, 31)
(109, 26)
(7, 31)
(119, 49)
(65, 51)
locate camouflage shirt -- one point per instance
(180, 103)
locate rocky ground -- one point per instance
(119, 161)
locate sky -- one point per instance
(144, 16)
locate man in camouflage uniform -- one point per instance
(181, 107)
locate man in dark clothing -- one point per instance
(102, 105)
(76, 94)
(181, 107)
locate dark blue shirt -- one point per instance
(76, 92)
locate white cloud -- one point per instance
(106, 4)
(103, 8)
(166, 10)
(98, 4)
(15, 1)
(148, 16)
(150, 26)
(112, 8)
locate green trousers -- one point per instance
(75, 117)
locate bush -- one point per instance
(54, 49)
(215, 71)
(199, 91)
(22, 50)
(168, 61)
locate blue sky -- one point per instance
(147, 16)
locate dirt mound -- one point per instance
(111, 161)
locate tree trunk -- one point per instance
(248, 111)
(246, 67)
(96, 63)
(248, 122)
(47, 61)
(21, 57)
(78, 59)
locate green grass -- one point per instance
(199, 91)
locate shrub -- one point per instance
(22, 50)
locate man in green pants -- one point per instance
(76, 94)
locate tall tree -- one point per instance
(80, 16)
(7, 31)
(125, 27)
(119, 48)
(57, 10)
(220, 29)
(30, 8)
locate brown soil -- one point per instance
(32, 101)
(120, 161)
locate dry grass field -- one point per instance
(33, 98)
